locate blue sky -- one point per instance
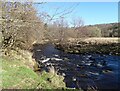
(90, 12)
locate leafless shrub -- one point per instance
(20, 25)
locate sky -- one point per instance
(90, 12)
(63, 0)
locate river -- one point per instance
(85, 71)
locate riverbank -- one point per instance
(17, 73)
(91, 45)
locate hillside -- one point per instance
(107, 30)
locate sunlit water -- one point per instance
(96, 71)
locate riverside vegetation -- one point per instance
(91, 45)
(21, 29)
(17, 36)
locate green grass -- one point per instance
(16, 75)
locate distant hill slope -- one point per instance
(108, 30)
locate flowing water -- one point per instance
(85, 71)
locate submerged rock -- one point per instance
(56, 55)
(57, 59)
(47, 59)
(74, 79)
(63, 74)
(66, 59)
(93, 73)
(107, 71)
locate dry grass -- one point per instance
(97, 40)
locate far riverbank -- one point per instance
(100, 45)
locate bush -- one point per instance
(94, 32)
(20, 25)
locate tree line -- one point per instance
(22, 27)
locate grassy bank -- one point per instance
(18, 74)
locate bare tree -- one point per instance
(20, 25)
(58, 30)
(55, 21)
(78, 26)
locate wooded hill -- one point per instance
(107, 30)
